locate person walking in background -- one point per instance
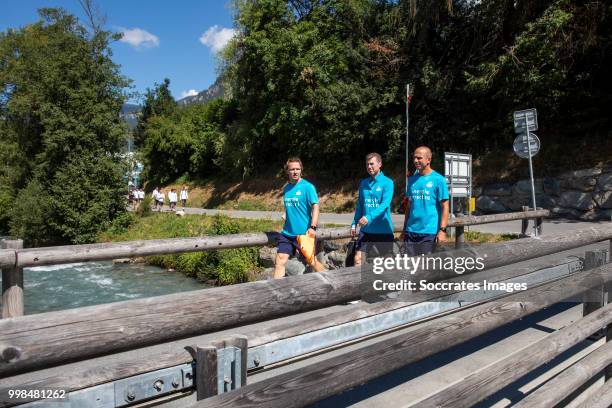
(301, 216)
(184, 196)
(161, 197)
(427, 211)
(373, 212)
(154, 196)
(172, 198)
(134, 197)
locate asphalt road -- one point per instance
(551, 226)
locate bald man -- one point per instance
(427, 212)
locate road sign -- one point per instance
(522, 149)
(458, 172)
(525, 120)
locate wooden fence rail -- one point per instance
(13, 258)
(50, 338)
(96, 252)
(561, 386)
(479, 385)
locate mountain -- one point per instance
(214, 91)
(129, 113)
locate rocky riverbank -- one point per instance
(333, 257)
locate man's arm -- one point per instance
(358, 209)
(406, 216)
(358, 213)
(315, 219)
(441, 236)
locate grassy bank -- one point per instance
(223, 267)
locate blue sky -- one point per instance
(163, 39)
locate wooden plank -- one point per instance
(488, 219)
(69, 335)
(127, 368)
(130, 249)
(459, 237)
(50, 338)
(324, 379)
(602, 398)
(479, 385)
(561, 386)
(12, 283)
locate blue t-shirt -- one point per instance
(298, 199)
(425, 194)
(374, 202)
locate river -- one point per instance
(57, 287)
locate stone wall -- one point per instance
(583, 194)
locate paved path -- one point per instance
(551, 226)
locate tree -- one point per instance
(157, 102)
(60, 97)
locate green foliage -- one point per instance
(325, 80)
(29, 213)
(60, 96)
(187, 142)
(144, 208)
(121, 223)
(223, 267)
(157, 102)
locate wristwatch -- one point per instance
(314, 227)
(443, 229)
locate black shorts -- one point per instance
(419, 244)
(375, 244)
(287, 245)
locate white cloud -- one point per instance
(191, 92)
(217, 37)
(138, 37)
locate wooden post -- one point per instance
(539, 223)
(12, 284)
(459, 237)
(595, 297)
(206, 359)
(524, 222)
(206, 372)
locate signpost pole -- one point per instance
(407, 135)
(533, 197)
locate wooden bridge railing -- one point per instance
(34, 341)
(12, 261)
(38, 341)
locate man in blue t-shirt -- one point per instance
(301, 216)
(427, 212)
(373, 212)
